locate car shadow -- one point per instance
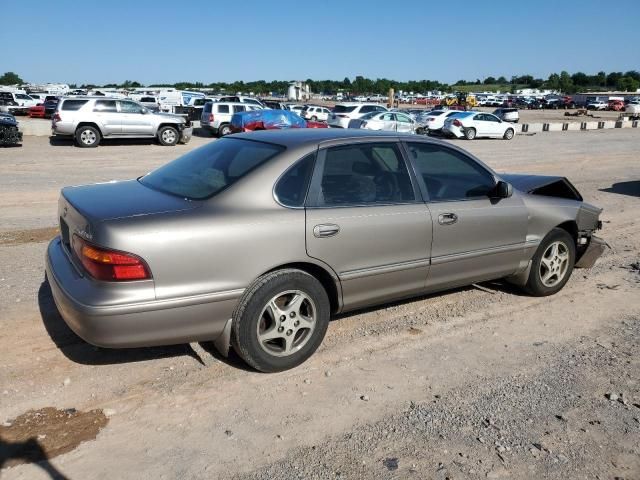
(203, 133)
(29, 451)
(631, 188)
(64, 141)
(79, 351)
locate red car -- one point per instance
(616, 105)
(270, 120)
(37, 111)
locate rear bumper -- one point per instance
(140, 324)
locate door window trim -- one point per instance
(312, 200)
(423, 187)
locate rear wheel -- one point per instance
(552, 263)
(87, 136)
(224, 130)
(470, 133)
(168, 136)
(508, 135)
(314, 119)
(281, 320)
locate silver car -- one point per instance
(385, 121)
(90, 119)
(254, 241)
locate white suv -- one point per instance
(343, 113)
(315, 114)
(216, 116)
(241, 99)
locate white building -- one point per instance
(298, 91)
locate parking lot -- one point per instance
(474, 383)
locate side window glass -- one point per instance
(365, 174)
(105, 106)
(223, 108)
(130, 107)
(238, 108)
(291, 189)
(450, 175)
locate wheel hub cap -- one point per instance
(554, 264)
(286, 323)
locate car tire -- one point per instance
(224, 130)
(87, 136)
(508, 134)
(268, 333)
(551, 268)
(470, 133)
(168, 136)
(314, 119)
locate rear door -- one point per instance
(365, 219)
(106, 114)
(475, 237)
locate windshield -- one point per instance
(210, 169)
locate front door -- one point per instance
(475, 237)
(134, 121)
(366, 220)
(404, 124)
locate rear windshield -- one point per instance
(344, 108)
(210, 169)
(73, 104)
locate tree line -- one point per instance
(563, 81)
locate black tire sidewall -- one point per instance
(84, 145)
(244, 338)
(534, 283)
(168, 144)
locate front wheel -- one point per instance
(508, 135)
(470, 133)
(168, 136)
(281, 320)
(552, 264)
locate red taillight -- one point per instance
(457, 123)
(109, 265)
(430, 119)
(211, 118)
(56, 117)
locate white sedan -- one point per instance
(472, 125)
(385, 121)
(433, 121)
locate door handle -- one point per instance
(447, 218)
(326, 230)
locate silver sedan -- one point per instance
(386, 122)
(255, 240)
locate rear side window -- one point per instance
(291, 189)
(364, 174)
(223, 108)
(73, 104)
(208, 170)
(344, 108)
(105, 106)
(238, 108)
(448, 174)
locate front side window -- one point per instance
(291, 189)
(364, 174)
(238, 108)
(450, 175)
(105, 106)
(130, 107)
(403, 118)
(208, 170)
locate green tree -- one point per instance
(490, 80)
(566, 84)
(10, 78)
(501, 80)
(553, 82)
(628, 84)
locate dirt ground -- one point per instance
(474, 383)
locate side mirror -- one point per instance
(502, 190)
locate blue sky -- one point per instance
(169, 41)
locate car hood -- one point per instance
(552, 186)
(108, 201)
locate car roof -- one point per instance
(356, 104)
(314, 136)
